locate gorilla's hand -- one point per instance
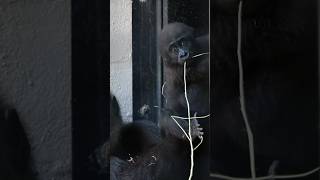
(196, 130)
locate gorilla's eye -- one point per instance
(174, 48)
(184, 43)
(181, 41)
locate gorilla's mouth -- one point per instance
(183, 55)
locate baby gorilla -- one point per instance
(178, 46)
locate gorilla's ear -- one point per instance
(115, 105)
(14, 145)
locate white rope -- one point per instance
(189, 121)
(162, 91)
(195, 117)
(201, 140)
(185, 133)
(242, 96)
(201, 54)
(267, 177)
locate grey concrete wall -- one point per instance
(35, 77)
(121, 55)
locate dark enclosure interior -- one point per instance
(280, 66)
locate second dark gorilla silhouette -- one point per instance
(137, 150)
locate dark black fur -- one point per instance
(152, 156)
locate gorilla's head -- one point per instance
(176, 43)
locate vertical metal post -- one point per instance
(146, 65)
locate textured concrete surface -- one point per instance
(121, 55)
(35, 77)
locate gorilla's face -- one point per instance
(176, 43)
(181, 49)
